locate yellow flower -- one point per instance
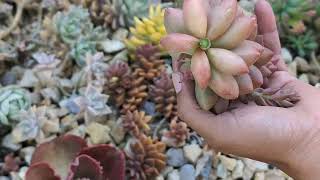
(148, 30)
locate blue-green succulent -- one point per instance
(12, 101)
(72, 24)
(80, 50)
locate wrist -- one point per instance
(303, 166)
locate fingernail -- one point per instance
(177, 78)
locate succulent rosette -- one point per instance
(69, 158)
(219, 36)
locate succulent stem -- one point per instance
(205, 44)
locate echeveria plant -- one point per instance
(12, 101)
(68, 157)
(219, 37)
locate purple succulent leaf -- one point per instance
(41, 171)
(59, 153)
(85, 166)
(111, 160)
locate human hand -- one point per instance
(287, 138)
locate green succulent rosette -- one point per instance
(72, 24)
(81, 49)
(12, 101)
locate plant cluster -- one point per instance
(297, 23)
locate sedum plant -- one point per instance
(148, 30)
(69, 157)
(304, 44)
(291, 14)
(12, 101)
(217, 36)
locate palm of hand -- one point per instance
(269, 134)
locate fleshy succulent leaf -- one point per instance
(59, 153)
(245, 84)
(220, 18)
(249, 51)
(206, 98)
(85, 166)
(41, 171)
(227, 62)
(256, 76)
(200, 68)
(240, 30)
(265, 57)
(111, 160)
(195, 17)
(179, 43)
(224, 85)
(174, 22)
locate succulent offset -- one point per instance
(219, 38)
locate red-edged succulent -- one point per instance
(68, 157)
(219, 37)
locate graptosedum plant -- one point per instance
(218, 36)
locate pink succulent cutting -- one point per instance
(219, 35)
(69, 158)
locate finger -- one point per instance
(267, 26)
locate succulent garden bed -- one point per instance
(86, 89)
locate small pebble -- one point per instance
(8, 78)
(286, 55)
(187, 172)
(174, 175)
(175, 157)
(112, 46)
(98, 133)
(222, 171)
(160, 177)
(292, 68)
(259, 176)
(229, 163)
(304, 78)
(192, 152)
(238, 170)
